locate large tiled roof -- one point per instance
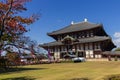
(85, 25)
(93, 39)
(83, 40)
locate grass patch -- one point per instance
(18, 69)
(68, 61)
(80, 79)
(19, 78)
(65, 71)
(112, 77)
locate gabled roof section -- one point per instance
(94, 39)
(84, 40)
(73, 27)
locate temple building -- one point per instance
(83, 39)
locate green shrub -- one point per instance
(116, 59)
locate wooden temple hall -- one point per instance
(83, 39)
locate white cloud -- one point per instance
(116, 39)
(117, 35)
(117, 42)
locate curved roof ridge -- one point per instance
(86, 22)
(84, 25)
(60, 29)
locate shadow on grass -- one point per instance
(7, 71)
(80, 79)
(112, 77)
(19, 78)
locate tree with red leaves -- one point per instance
(12, 25)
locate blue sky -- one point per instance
(56, 14)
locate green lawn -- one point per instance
(65, 71)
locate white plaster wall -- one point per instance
(57, 55)
(98, 56)
(89, 53)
